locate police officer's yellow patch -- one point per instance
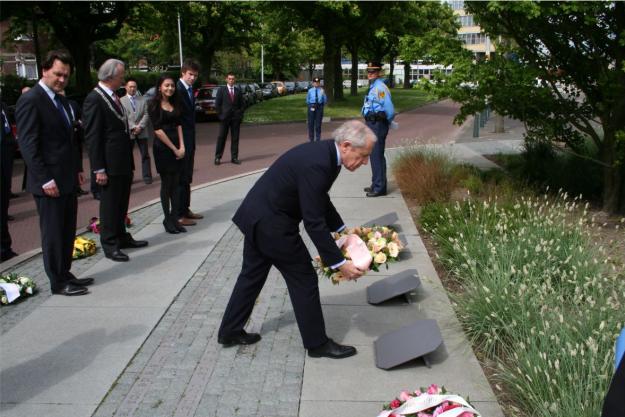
(381, 94)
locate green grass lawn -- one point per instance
(292, 108)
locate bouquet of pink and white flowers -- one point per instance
(433, 401)
(368, 248)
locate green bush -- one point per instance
(12, 87)
(538, 297)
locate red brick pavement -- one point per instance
(259, 146)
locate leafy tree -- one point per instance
(79, 24)
(560, 67)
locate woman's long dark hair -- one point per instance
(155, 103)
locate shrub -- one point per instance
(538, 297)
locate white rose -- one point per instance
(380, 258)
(381, 242)
(29, 290)
(393, 249)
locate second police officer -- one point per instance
(378, 111)
(315, 100)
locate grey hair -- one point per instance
(108, 70)
(354, 131)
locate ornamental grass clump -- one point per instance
(538, 297)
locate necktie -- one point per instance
(231, 90)
(59, 107)
(316, 96)
(132, 103)
(118, 103)
(5, 123)
(190, 90)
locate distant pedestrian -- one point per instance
(164, 110)
(378, 111)
(139, 125)
(189, 73)
(229, 106)
(316, 100)
(50, 150)
(110, 153)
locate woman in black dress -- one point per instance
(168, 149)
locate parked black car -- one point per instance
(258, 92)
(205, 103)
(290, 87)
(269, 90)
(302, 86)
(248, 95)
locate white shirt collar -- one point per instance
(338, 155)
(186, 86)
(105, 88)
(47, 89)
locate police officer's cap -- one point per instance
(374, 66)
(316, 80)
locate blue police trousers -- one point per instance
(314, 123)
(377, 158)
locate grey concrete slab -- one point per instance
(77, 362)
(145, 281)
(46, 410)
(325, 380)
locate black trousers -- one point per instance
(146, 168)
(184, 183)
(315, 118)
(169, 195)
(301, 280)
(614, 403)
(6, 176)
(57, 221)
(114, 197)
(233, 125)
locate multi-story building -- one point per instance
(470, 33)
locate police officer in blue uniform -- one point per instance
(378, 111)
(316, 100)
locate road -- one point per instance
(259, 146)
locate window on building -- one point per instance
(466, 20)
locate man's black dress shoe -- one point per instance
(117, 256)
(7, 255)
(242, 338)
(96, 196)
(82, 192)
(217, 161)
(236, 161)
(375, 194)
(10, 218)
(131, 243)
(81, 281)
(331, 349)
(13, 195)
(367, 189)
(71, 289)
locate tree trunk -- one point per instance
(407, 74)
(81, 56)
(353, 89)
(613, 177)
(338, 76)
(206, 61)
(391, 79)
(330, 47)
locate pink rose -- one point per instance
(433, 389)
(467, 414)
(404, 396)
(417, 393)
(395, 403)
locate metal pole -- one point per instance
(262, 63)
(180, 39)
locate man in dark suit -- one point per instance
(7, 153)
(184, 86)
(110, 155)
(293, 189)
(50, 151)
(229, 107)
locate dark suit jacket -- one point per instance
(47, 144)
(187, 117)
(227, 109)
(293, 189)
(106, 135)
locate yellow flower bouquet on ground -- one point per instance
(368, 247)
